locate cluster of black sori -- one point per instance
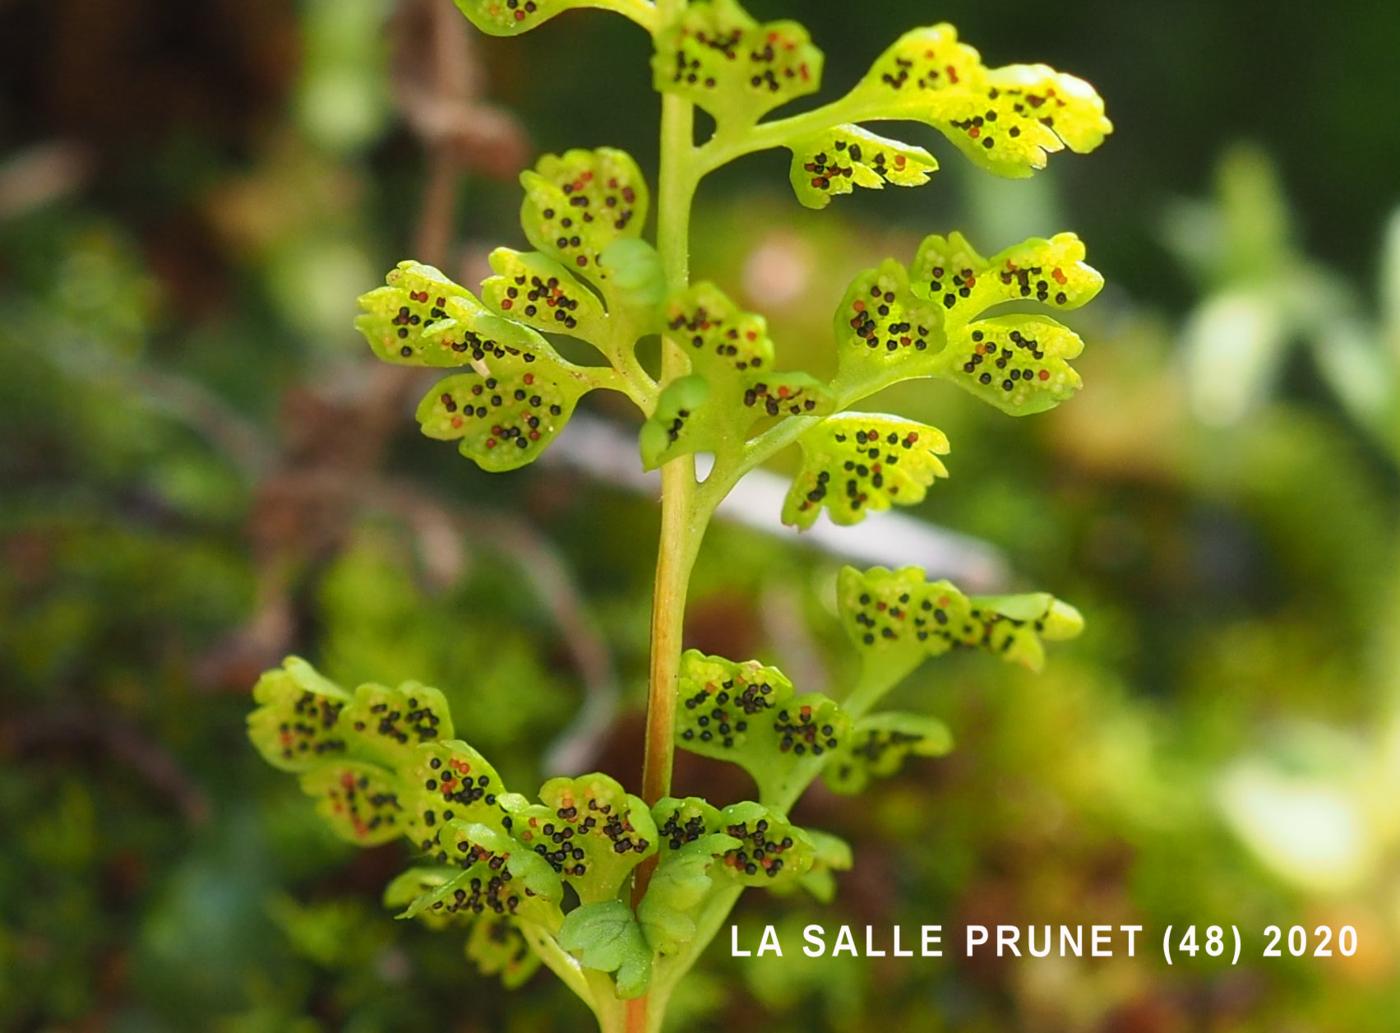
(896, 334)
(541, 291)
(422, 721)
(486, 347)
(779, 54)
(618, 198)
(796, 402)
(490, 877)
(877, 743)
(1035, 100)
(677, 834)
(705, 327)
(366, 810)
(888, 632)
(756, 850)
(478, 391)
(767, 78)
(984, 350)
(455, 785)
(879, 163)
(751, 698)
(1025, 282)
(521, 11)
(992, 625)
(470, 854)
(1041, 289)
(824, 168)
(563, 845)
(979, 127)
(990, 631)
(818, 491)
(564, 854)
(961, 287)
(930, 610)
(869, 465)
(482, 892)
(458, 785)
(309, 730)
(798, 732)
(527, 426)
(410, 321)
(688, 68)
(718, 721)
(673, 431)
(887, 618)
(568, 236)
(895, 80)
(620, 832)
(930, 68)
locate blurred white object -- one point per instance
(1234, 347)
(609, 453)
(1302, 807)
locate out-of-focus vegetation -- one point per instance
(202, 470)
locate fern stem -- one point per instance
(680, 530)
(682, 525)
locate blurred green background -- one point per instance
(203, 469)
